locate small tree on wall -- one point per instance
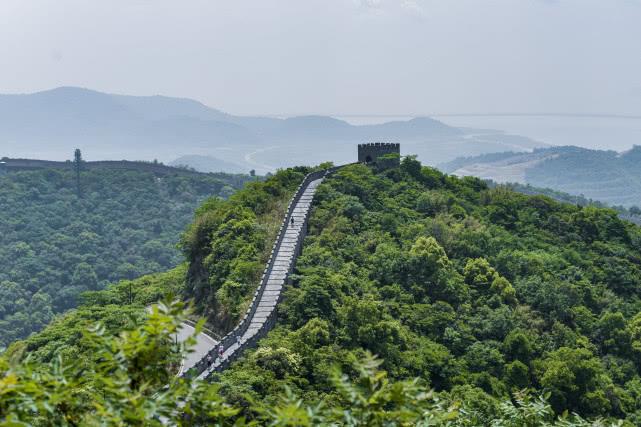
(77, 167)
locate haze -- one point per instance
(344, 57)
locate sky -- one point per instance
(335, 57)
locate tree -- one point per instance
(517, 374)
(517, 346)
(85, 277)
(428, 257)
(613, 334)
(576, 381)
(479, 273)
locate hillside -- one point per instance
(632, 214)
(607, 176)
(54, 245)
(107, 126)
(478, 292)
(475, 292)
(244, 226)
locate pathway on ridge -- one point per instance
(203, 344)
(283, 262)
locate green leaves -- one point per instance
(129, 381)
(54, 246)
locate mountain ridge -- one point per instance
(476, 292)
(48, 123)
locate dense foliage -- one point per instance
(55, 245)
(479, 292)
(117, 308)
(486, 296)
(229, 242)
(129, 381)
(607, 176)
(632, 214)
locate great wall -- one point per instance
(260, 317)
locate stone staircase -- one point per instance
(261, 314)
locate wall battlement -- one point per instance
(371, 153)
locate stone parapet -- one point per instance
(260, 317)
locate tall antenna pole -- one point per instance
(77, 166)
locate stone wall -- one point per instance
(229, 342)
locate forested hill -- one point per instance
(606, 176)
(54, 245)
(477, 293)
(632, 214)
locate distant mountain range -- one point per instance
(52, 123)
(606, 176)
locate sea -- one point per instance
(619, 133)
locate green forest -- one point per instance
(55, 245)
(631, 214)
(419, 299)
(479, 292)
(607, 176)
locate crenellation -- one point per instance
(371, 153)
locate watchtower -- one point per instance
(380, 154)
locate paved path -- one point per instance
(204, 343)
(283, 264)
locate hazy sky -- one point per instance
(334, 56)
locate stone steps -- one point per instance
(283, 263)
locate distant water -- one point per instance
(605, 133)
(372, 120)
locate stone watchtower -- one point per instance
(380, 154)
